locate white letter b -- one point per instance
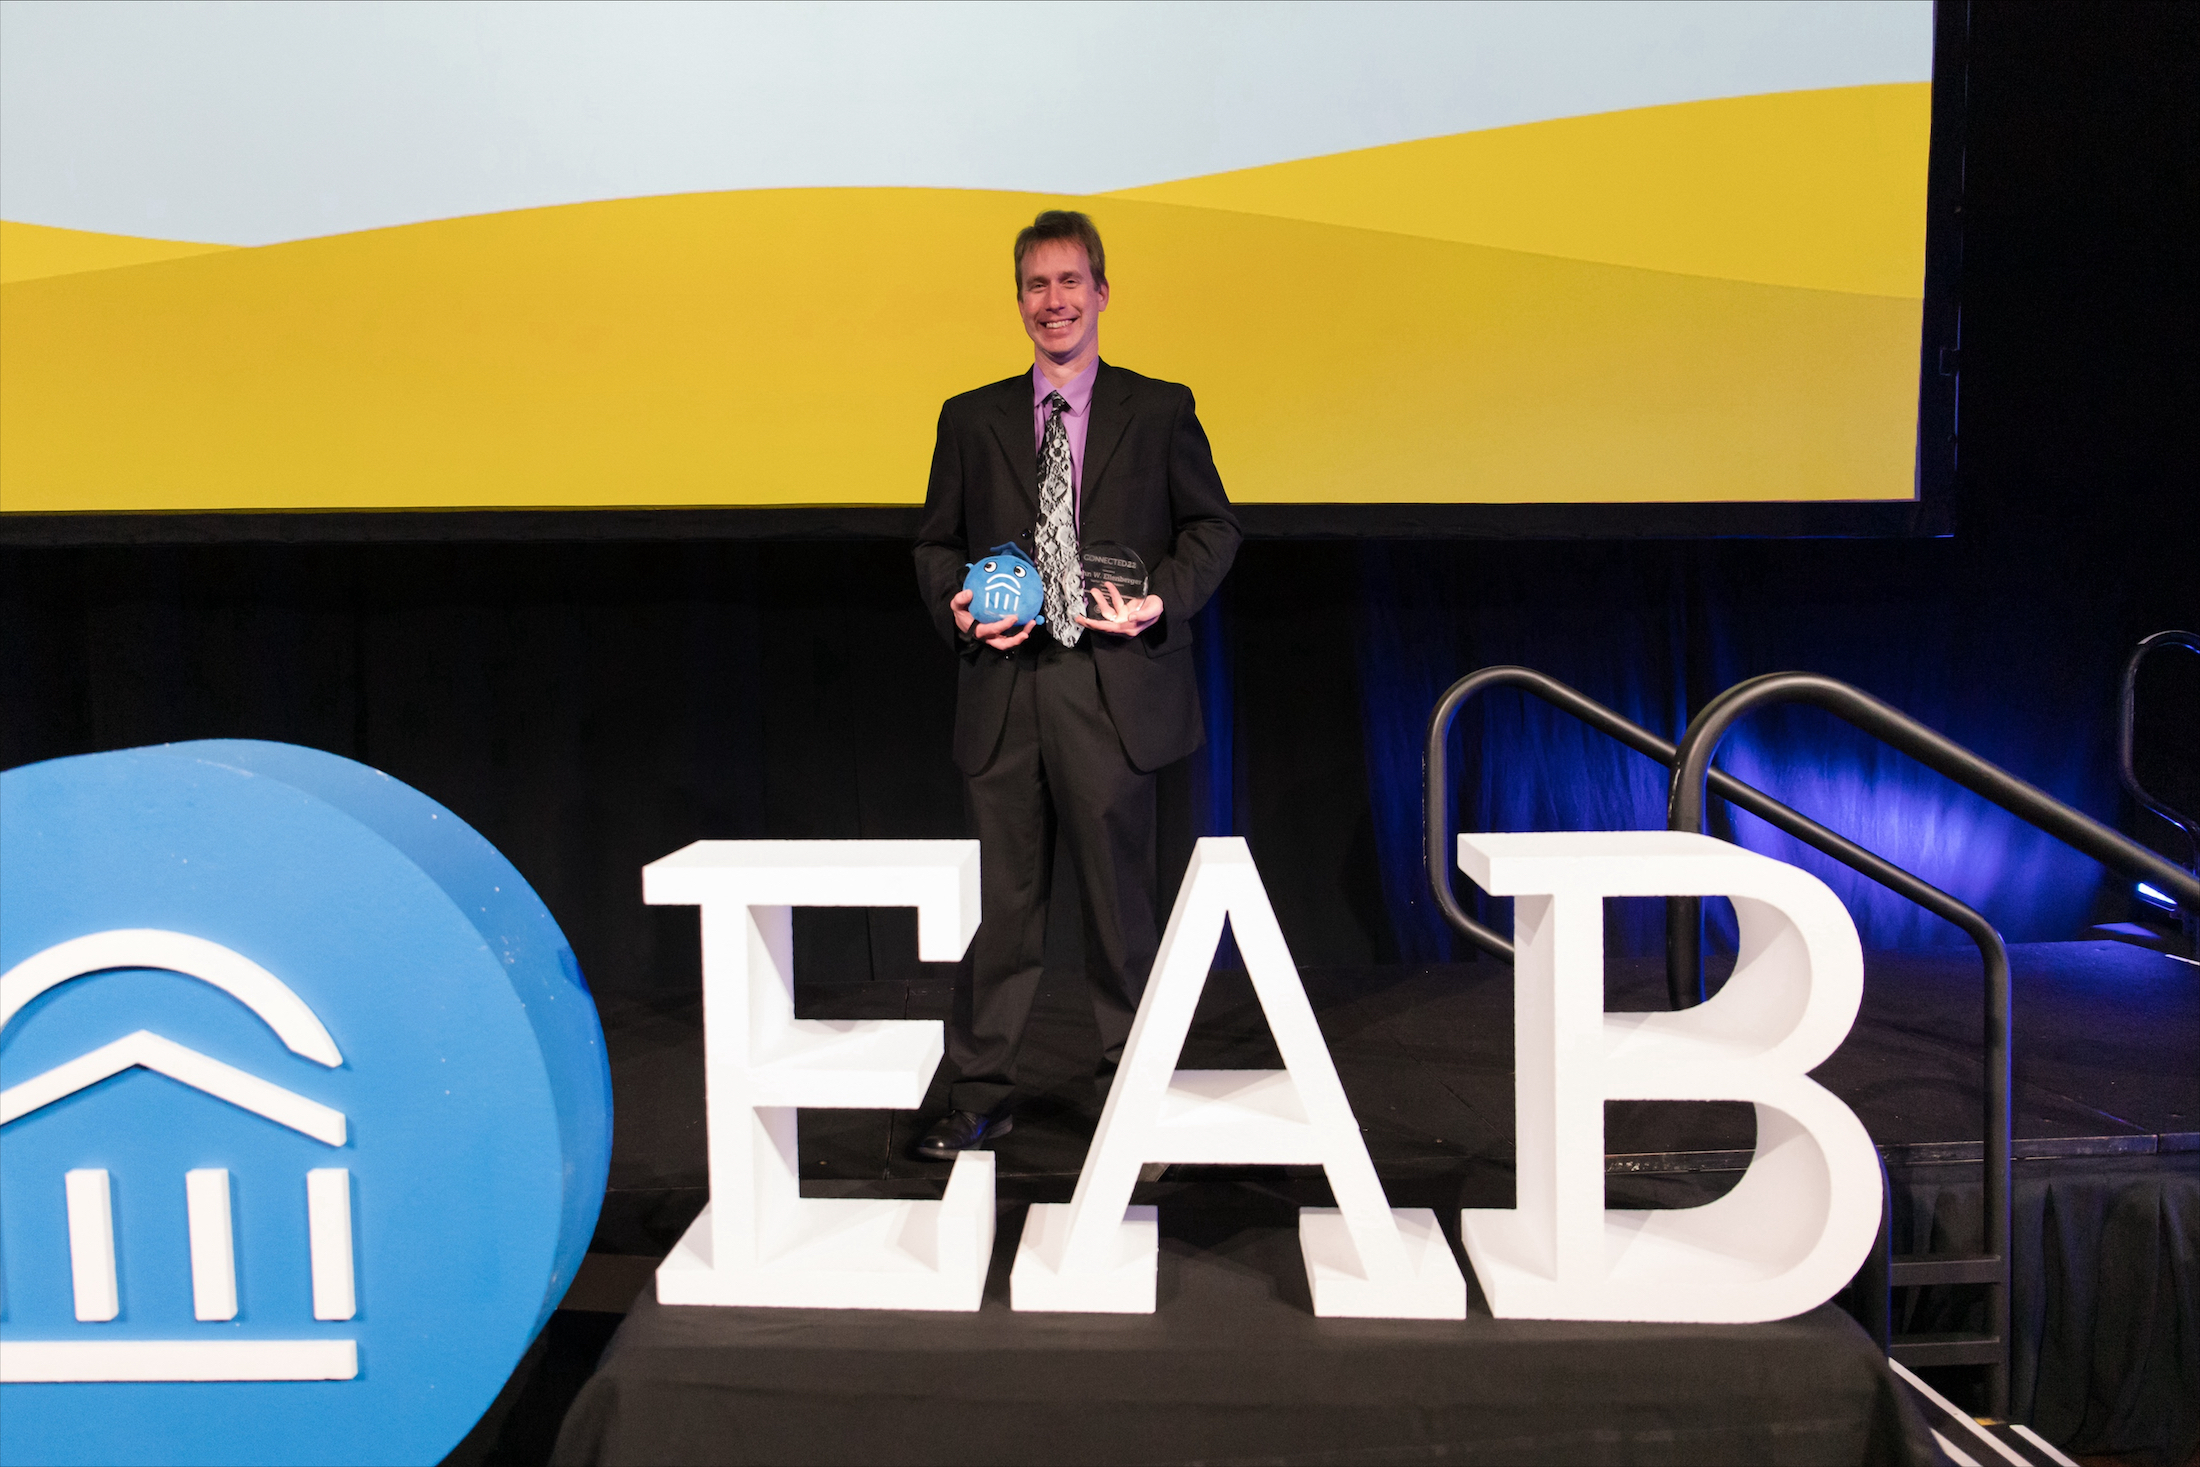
(1794, 1229)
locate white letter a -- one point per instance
(1098, 1254)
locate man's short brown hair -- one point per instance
(1064, 224)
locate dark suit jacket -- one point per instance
(1149, 482)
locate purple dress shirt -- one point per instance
(1078, 393)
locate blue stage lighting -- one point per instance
(2149, 894)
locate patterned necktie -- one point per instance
(1059, 567)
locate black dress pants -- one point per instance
(1059, 765)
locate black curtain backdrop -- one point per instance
(590, 706)
(2106, 1288)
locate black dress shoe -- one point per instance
(961, 1130)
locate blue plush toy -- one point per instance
(1005, 583)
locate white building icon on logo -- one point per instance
(213, 1252)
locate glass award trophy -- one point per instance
(1116, 567)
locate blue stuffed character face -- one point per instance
(1004, 582)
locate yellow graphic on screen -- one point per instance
(1824, 190)
(35, 251)
(1714, 301)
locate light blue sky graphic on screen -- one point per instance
(475, 1100)
(249, 124)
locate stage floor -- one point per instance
(1231, 1367)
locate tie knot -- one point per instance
(1057, 402)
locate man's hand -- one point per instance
(993, 633)
(1120, 617)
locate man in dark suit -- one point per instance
(1063, 725)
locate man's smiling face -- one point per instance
(1060, 301)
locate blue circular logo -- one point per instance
(304, 1115)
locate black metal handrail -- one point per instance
(1990, 1267)
(1436, 805)
(1685, 803)
(2124, 730)
(1436, 783)
(1692, 772)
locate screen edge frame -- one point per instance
(1929, 512)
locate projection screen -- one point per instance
(1623, 266)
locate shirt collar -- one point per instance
(1078, 391)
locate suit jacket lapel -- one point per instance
(1012, 429)
(1111, 395)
